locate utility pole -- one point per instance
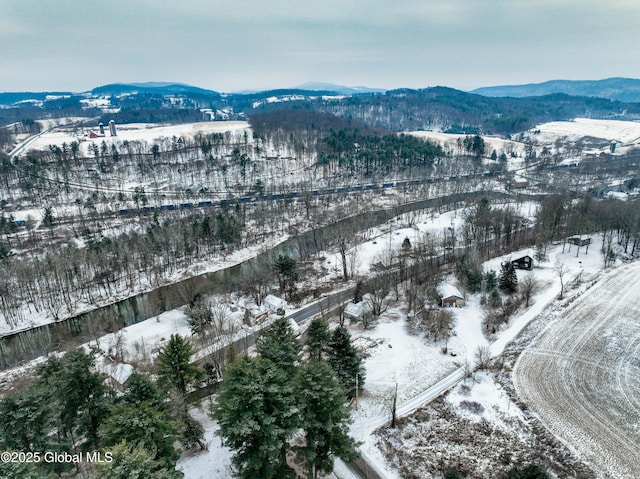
(393, 407)
(356, 391)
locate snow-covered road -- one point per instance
(581, 376)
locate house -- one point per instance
(450, 296)
(117, 373)
(526, 262)
(580, 240)
(274, 304)
(356, 311)
(519, 183)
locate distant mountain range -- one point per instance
(619, 89)
(343, 90)
(162, 88)
(493, 110)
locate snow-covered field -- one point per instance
(625, 133)
(450, 141)
(622, 132)
(582, 377)
(148, 132)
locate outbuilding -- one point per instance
(580, 240)
(526, 262)
(450, 296)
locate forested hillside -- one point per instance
(437, 108)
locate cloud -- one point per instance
(248, 43)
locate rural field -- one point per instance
(581, 376)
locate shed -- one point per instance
(580, 240)
(526, 262)
(519, 183)
(274, 304)
(450, 296)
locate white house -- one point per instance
(356, 311)
(273, 303)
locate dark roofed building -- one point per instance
(526, 262)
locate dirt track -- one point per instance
(581, 376)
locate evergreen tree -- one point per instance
(82, 399)
(345, 361)
(508, 280)
(140, 388)
(470, 272)
(174, 364)
(48, 219)
(199, 315)
(278, 344)
(24, 470)
(257, 414)
(324, 417)
(143, 426)
(287, 271)
(26, 420)
(318, 337)
(134, 462)
(532, 471)
(192, 432)
(358, 292)
(490, 281)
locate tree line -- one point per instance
(70, 407)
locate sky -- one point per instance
(234, 45)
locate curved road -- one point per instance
(581, 376)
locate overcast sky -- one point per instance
(231, 45)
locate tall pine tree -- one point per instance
(174, 364)
(257, 413)
(324, 418)
(345, 361)
(82, 398)
(508, 280)
(278, 344)
(145, 426)
(318, 337)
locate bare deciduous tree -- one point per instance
(528, 287)
(377, 298)
(482, 356)
(562, 271)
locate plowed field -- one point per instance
(581, 376)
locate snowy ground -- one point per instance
(427, 365)
(581, 375)
(135, 131)
(398, 356)
(624, 133)
(215, 461)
